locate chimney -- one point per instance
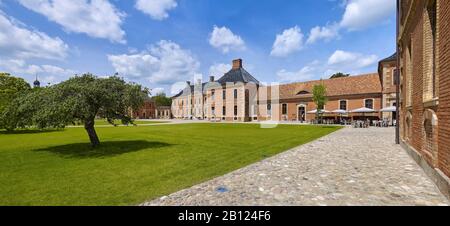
(211, 78)
(237, 63)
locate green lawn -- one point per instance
(134, 164)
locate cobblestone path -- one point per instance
(348, 167)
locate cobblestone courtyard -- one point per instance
(348, 167)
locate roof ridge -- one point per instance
(333, 79)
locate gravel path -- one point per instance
(348, 167)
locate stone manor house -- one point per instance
(238, 96)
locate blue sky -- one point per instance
(163, 43)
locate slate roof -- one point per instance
(389, 59)
(233, 76)
(237, 75)
(186, 91)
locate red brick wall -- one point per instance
(417, 81)
(431, 141)
(444, 86)
(353, 102)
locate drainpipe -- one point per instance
(397, 74)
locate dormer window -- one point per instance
(303, 92)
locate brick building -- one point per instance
(386, 71)
(424, 57)
(238, 96)
(347, 93)
(231, 98)
(150, 110)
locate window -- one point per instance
(269, 109)
(303, 92)
(343, 105)
(368, 103)
(213, 92)
(224, 94)
(235, 111)
(284, 109)
(213, 110)
(224, 111)
(429, 56)
(408, 88)
(235, 93)
(432, 13)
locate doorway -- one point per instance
(301, 114)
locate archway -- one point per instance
(430, 135)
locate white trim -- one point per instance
(346, 104)
(298, 109)
(287, 109)
(373, 102)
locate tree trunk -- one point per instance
(89, 126)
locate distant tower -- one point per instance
(36, 83)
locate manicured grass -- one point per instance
(133, 164)
(101, 122)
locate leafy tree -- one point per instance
(10, 88)
(79, 99)
(339, 75)
(319, 98)
(162, 100)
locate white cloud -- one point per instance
(18, 41)
(339, 61)
(47, 73)
(304, 74)
(156, 91)
(360, 14)
(157, 9)
(223, 38)
(326, 33)
(164, 63)
(351, 60)
(219, 69)
(96, 18)
(291, 40)
(177, 87)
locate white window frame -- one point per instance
(346, 104)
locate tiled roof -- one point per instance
(361, 84)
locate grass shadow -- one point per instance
(104, 150)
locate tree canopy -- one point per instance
(79, 99)
(10, 88)
(162, 100)
(339, 75)
(320, 97)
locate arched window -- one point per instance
(430, 130)
(303, 92)
(429, 45)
